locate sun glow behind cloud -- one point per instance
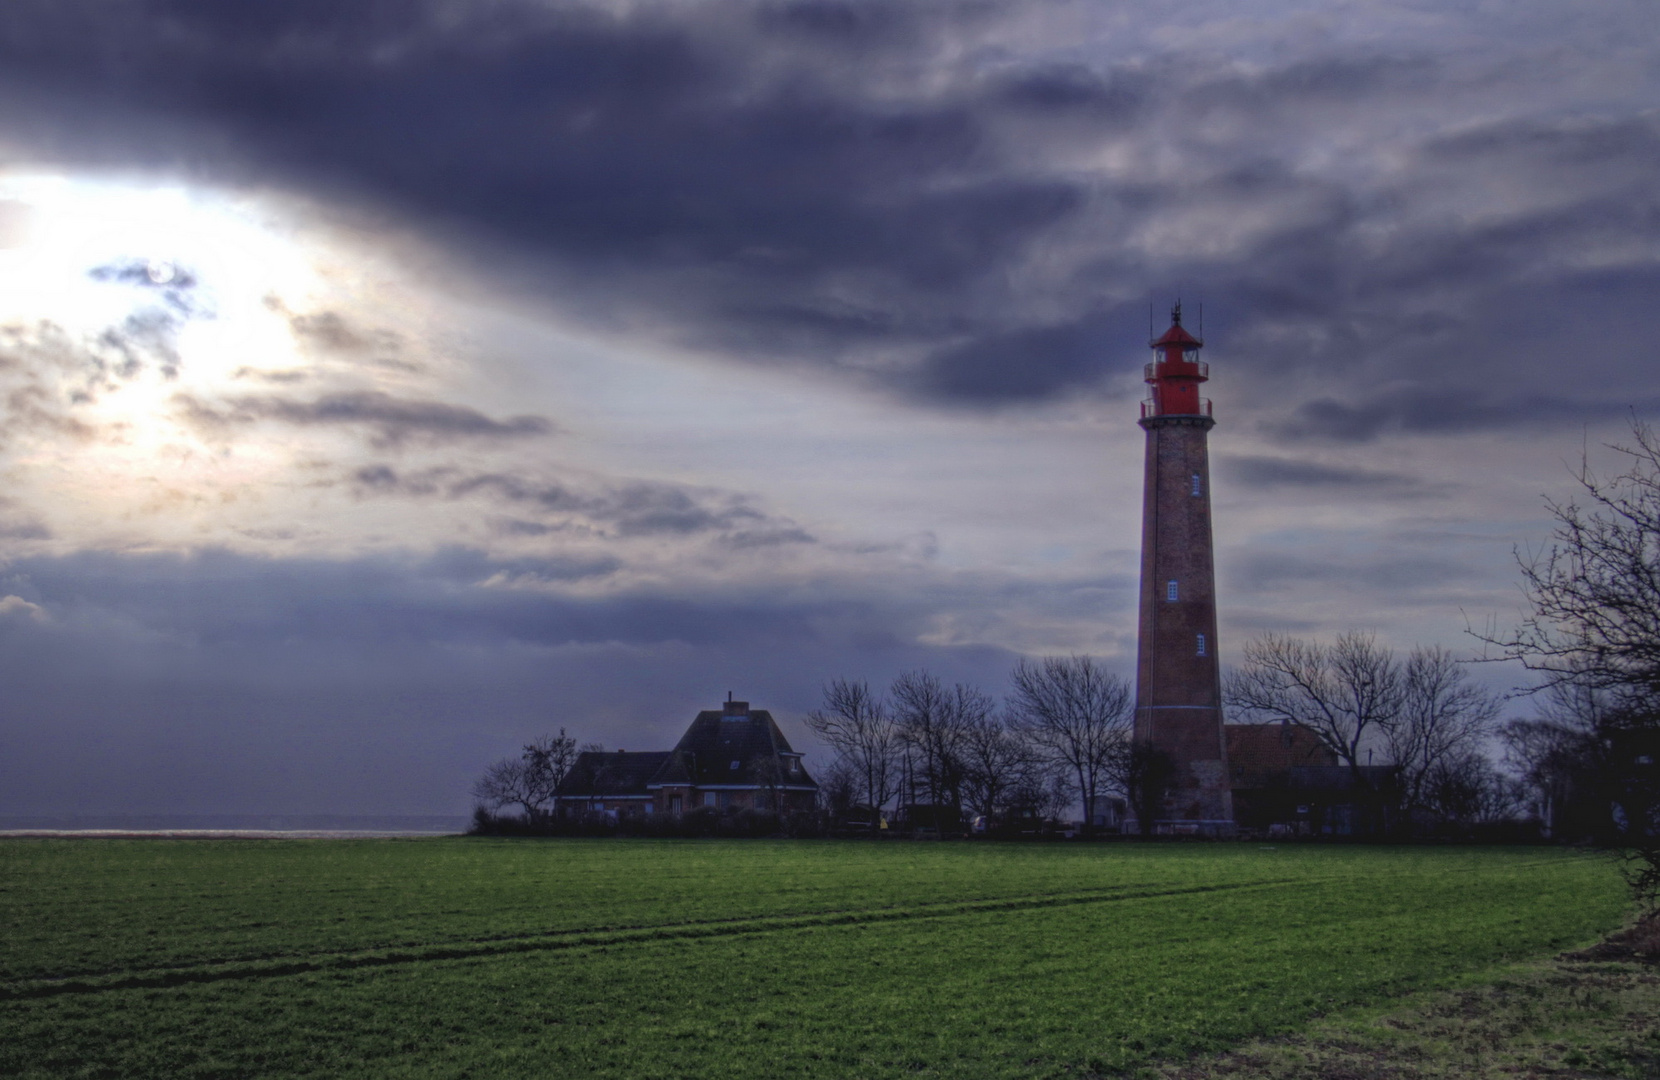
(64, 229)
(121, 301)
(186, 367)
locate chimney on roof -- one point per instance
(736, 708)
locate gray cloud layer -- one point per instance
(393, 420)
(626, 508)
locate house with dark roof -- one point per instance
(734, 758)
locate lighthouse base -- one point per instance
(1194, 797)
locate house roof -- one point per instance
(1265, 753)
(733, 747)
(614, 773)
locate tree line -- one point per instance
(1062, 737)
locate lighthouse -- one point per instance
(1178, 714)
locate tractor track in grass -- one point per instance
(292, 964)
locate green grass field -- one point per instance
(480, 958)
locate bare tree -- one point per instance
(1444, 717)
(1594, 591)
(838, 786)
(1044, 788)
(1464, 788)
(1553, 751)
(505, 784)
(996, 763)
(919, 713)
(932, 722)
(531, 780)
(1078, 716)
(1349, 693)
(547, 761)
(1057, 796)
(858, 727)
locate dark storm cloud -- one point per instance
(619, 508)
(725, 168)
(1358, 570)
(1028, 363)
(393, 420)
(854, 185)
(1441, 412)
(1268, 472)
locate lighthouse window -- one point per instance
(1197, 490)
(1170, 591)
(1201, 650)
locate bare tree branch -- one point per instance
(1594, 592)
(1349, 693)
(859, 728)
(1444, 718)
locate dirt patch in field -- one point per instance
(1588, 1014)
(1639, 944)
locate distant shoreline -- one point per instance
(229, 826)
(222, 834)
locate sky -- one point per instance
(385, 384)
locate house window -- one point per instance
(1170, 591)
(1198, 486)
(1200, 651)
(736, 765)
(711, 798)
(674, 804)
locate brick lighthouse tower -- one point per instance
(1178, 683)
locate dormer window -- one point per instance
(735, 765)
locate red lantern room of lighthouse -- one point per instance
(1178, 717)
(1176, 374)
